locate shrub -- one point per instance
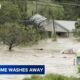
(11, 34)
(79, 69)
(51, 77)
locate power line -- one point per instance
(43, 4)
(51, 3)
(59, 3)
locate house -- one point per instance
(65, 27)
(62, 27)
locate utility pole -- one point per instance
(26, 7)
(54, 31)
(36, 6)
(26, 16)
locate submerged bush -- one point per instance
(79, 69)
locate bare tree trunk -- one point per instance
(10, 47)
(54, 31)
(36, 6)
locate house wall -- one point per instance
(62, 34)
(70, 34)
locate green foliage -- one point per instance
(32, 36)
(26, 79)
(11, 34)
(51, 77)
(72, 11)
(56, 11)
(79, 69)
(63, 11)
(9, 12)
(77, 29)
(36, 78)
(26, 7)
(55, 77)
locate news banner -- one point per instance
(22, 69)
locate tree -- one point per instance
(71, 8)
(77, 29)
(9, 12)
(11, 34)
(52, 10)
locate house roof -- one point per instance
(69, 25)
(60, 25)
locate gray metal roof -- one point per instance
(60, 25)
(69, 25)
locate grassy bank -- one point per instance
(51, 77)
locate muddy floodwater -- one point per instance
(47, 52)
